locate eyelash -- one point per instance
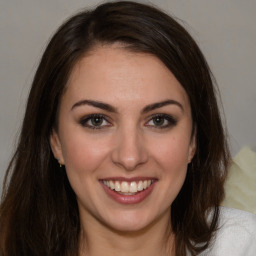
(84, 121)
(171, 121)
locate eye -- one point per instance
(161, 121)
(95, 121)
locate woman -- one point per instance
(122, 149)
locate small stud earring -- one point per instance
(59, 162)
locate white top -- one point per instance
(236, 235)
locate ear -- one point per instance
(56, 147)
(192, 147)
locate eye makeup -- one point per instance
(161, 121)
(95, 121)
(156, 121)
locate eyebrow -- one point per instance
(157, 105)
(109, 108)
(96, 104)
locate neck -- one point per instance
(155, 239)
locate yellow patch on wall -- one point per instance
(240, 187)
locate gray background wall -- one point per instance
(224, 29)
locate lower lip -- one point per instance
(128, 199)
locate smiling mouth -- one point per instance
(128, 188)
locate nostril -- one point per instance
(129, 161)
(129, 151)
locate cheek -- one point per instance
(172, 153)
(171, 156)
(83, 154)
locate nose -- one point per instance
(130, 150)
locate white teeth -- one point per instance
(117, 186)
(145, 184)
(140, 186)
(124, 187)
(127, 187)
(133, 187)
(112, 185)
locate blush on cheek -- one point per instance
(174, 151)
(84, 155)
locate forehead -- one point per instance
(113, 73)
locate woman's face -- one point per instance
(124, 137)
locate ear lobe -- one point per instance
(56, 147)
(192, 148)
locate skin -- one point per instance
(128, 143)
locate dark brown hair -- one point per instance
(38, 212)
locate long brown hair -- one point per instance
(38, 212)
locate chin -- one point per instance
(132, 222)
